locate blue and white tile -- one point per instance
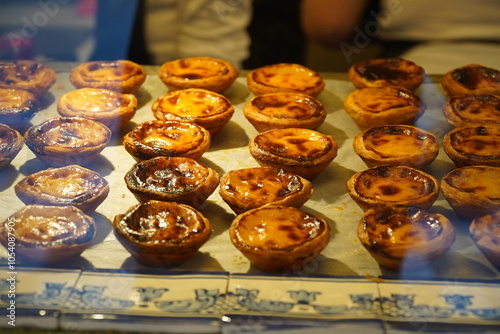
(284, 304)
(34, 297)
(411, 306)
(147, 302)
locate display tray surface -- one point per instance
(343, 257)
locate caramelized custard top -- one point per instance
(477, 77)
(191, 103)
(481, 142)
(379, 99)
(12, 73)
(195, 68)
(172, 175)
(476, 108)
(387, 227)
(288, 105)
(278, 228)
(162, 223)
(480, 180)
(14, 100)
(95, 100)
(299, 144)
(393, 184)
(392, 70)
(258, 186)
(390, 141)
(284, 75)
(98, 71)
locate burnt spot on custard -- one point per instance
(474, 77)
(393, 70)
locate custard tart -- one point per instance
(48, 235)
(62, 141)
(208, 73)
(205, 108)
(471, 79)
(28, 75)
(11, 143)
(172, 179)
(123, 76)
(303, 152)
(69, 185)
(387, 72)
(279, 238)
(161, 234)
(284, 110)
(472, 191)
(395, 145)
(389, 105)
(250, 188)
(111, 108)
(285, 78)
(485, 232)
(17, 107)
(473, 145)
(393, 185)
(404, 238)
(464, 110)
(159, 138)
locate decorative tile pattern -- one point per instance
(146, 302)
(35, 297)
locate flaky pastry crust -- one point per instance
(393, 185)
(250, 188)
(387, 72)
(284, 110)
(405, 238)
(161, 234)
(303, 152)
(472, 79)
(208, 73)
(279, 238)
(111, 108)
(395, 145)
(473, 145)
(123, 76)
(158, 138)
(285, 78)
(472, 191)
(69, 185)
(11, 143)
(389, 105)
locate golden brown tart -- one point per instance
(172, 179)
(48, 235)
(69, 185)
(62, 141)
(485, 232)
(279, 238)
(387, 72)
(158, 138)
(161, 234)
(473, 145)
(405, 238)
(11, 143)
(205, 108)
(396, 145)
(111, 108)
(123, 76)
(471, 79)
(393, 185)
(284, 110)
(472, 191)
(17, 107)
(250, 188)
(303, 152)
(208, 73)
(461, 110)
(285, 78)
(389, 105)
(29, 75)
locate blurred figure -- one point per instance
(437, 34)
